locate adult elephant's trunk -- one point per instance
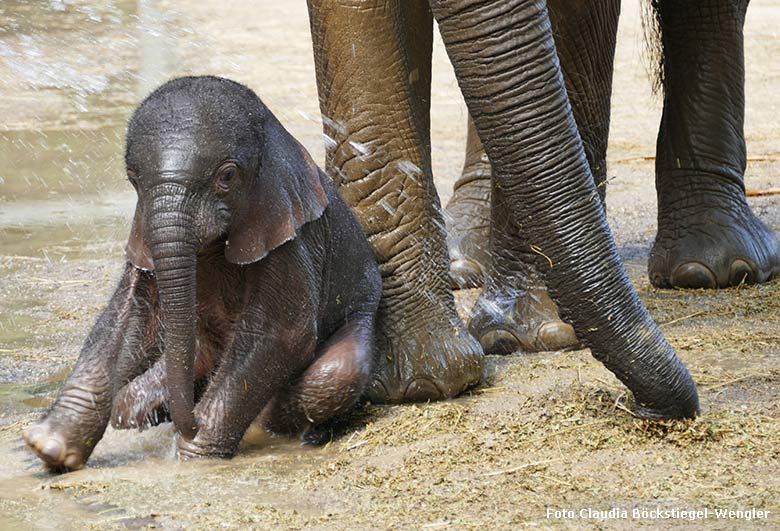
(506, 64)
(174, 249)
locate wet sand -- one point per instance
(544, 430)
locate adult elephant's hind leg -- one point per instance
(468, 217)
(514, 312)
(373, 74)
(330, 385)
(708, 237)
(585, 38)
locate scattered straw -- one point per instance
(520, 467)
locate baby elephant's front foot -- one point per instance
(198, 448)
(66, 436)
(60, 448)
(52, 447)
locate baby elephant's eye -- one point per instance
(225, 176)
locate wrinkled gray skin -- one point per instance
(248, 275)
(373, 74)
(708, 237)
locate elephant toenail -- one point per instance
(499, 342)
(73, 462)
(466, 273)
(659, 281)
(693, 275)
(31, 435)
(741, 273)
(377, 392)
(52, 450)
(421, 389)
(556, 335)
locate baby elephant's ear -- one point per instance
(138, 251)
(285, 195)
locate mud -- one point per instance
(550, 430)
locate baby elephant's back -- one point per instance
(354, 283)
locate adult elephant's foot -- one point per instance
(468, 227)
(424, 353)
(711, 242)
(509, 319)
(65, 437)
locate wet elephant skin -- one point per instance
(708, 237)
(247, 275)
(373, 73)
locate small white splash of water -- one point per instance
(330, 142)
(410, 168)
(363, 149)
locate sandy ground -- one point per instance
(544, 431)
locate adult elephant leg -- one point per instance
(707, 235)
(68, 433)
(468, 216)
(506, 64)
(514, 311)
(373, 73)
(585, 37)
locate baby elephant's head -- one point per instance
(210, 163)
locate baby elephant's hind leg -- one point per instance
(142, 402)
(330, 385)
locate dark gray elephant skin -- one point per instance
(373, 61)
(707, 237)
(249, 280)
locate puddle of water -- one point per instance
(63, 192)
(21, 323)
(15, 329)
(128, 466)
(18, 399)
(44, 164)
(27, 504)
(87, 229)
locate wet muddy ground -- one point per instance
(543, 431)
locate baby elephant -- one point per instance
(248, 278)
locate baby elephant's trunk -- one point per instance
(175, 257)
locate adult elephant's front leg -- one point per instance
(373, 74)
(505, 60)
(708, 237)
